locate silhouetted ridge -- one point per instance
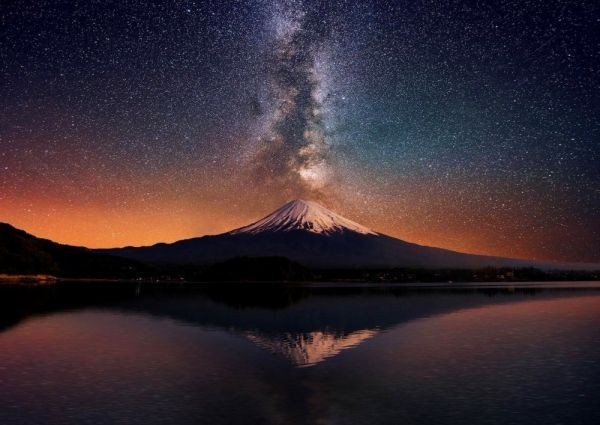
(22, 253)
(314, 236)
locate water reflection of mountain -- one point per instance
(321, 324)
(301, 324)
(309, 348)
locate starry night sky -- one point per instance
(473, 126)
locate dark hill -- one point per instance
(22, 253)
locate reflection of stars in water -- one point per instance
(472, 127)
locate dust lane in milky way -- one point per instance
(471, 127)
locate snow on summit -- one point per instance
(304, 215)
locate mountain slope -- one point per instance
(22, 253)
(312, 235)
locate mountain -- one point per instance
(312, 235)
(22, 253)
(304, 215)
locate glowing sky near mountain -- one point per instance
(472, 127)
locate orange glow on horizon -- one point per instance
(116, 212)
(103, 226)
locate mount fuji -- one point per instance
(304, 215)
(307, 232)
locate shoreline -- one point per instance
(28, 279)
(43, 280)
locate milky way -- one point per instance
(468, 126)
(292, 148)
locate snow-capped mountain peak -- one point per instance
(304, 215)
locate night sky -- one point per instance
(473, 126)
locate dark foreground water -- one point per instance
(301, 355)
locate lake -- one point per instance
(291, 354)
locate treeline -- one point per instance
(283, 269)
(487, 274)
(238, 269)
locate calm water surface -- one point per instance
(300, 355)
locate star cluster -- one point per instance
(468, 125)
